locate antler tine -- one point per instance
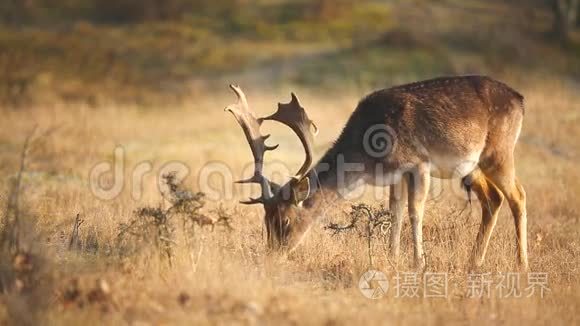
(240, 94)
(251, 127)
(295, 117)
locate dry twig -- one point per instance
(10, 235)
(74, 242)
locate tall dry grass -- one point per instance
(228, 275)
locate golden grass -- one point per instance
(229, 276)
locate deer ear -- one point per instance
(301, 190)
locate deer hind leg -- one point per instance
(490, 199)
(504, 178)
(397, 196)
(418, 189)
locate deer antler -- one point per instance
(295, 117)
(251, 128)
(290, 114)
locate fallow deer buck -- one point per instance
(464, 127)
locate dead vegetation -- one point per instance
(156, 88)
(23, 267)
(377, 225)
(186, 258)
(165, 227)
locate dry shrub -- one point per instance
(369, 222)
(166, 227)
(24, 272)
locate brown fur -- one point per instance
(438, 122)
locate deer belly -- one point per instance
(382, 178)
(443, 166)
(446, 166)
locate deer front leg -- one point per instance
(397, 198)
(418, 190)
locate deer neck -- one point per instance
(331, 178)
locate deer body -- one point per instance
(453, 127)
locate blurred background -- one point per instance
(83, 80)
(153, 52)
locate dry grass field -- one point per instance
(100, 101)
(226, 275)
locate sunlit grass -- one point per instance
(232, 277)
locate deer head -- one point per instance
(281, 203)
